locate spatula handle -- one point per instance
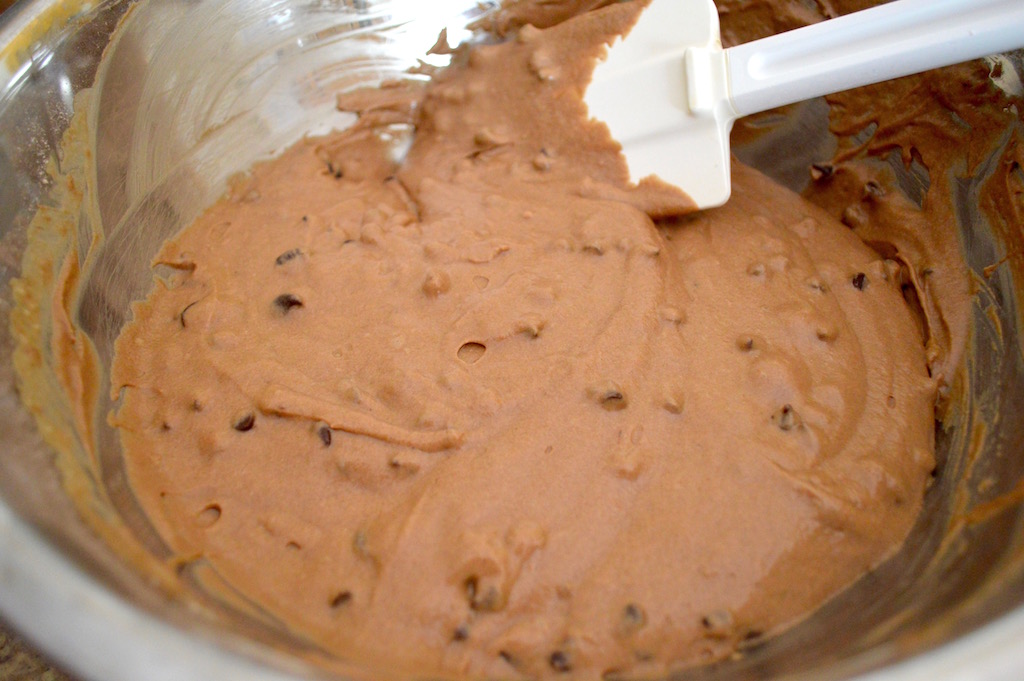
(877, 44)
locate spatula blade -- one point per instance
(662, 91)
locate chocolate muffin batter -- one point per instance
(492, 411)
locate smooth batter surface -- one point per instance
(481, 415)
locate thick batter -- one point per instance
(494, 412)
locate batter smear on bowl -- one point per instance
(493, 412)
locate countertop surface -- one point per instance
(18, 662)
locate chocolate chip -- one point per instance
(872, 190)
(461, 633)
(822, 171)
(786, 418)
(287, 256)
(245, 422)
(632, 620)
(181, 315)
(482, 598)
(286, 301)
(718, 624)
(559, 661)
(859, 281)
(325, 435)
(340, 599)
(634, 615)
(608, 395)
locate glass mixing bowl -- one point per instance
(187, 94)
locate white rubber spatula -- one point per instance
(669, 92)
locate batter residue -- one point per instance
(493, 412)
